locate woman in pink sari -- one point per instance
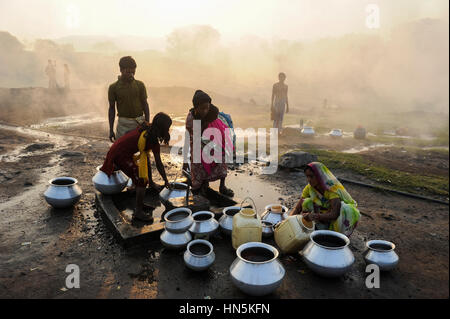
(207, 171)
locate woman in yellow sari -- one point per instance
(325, 201)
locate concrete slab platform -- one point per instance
(117, 210)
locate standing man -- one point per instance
(66, 77)
(50, 71)
(131, 98)
(279, 102)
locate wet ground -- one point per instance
(38, 242)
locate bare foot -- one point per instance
(226, 191)
(156, 187)
(141, 215)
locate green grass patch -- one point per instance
(394, 179)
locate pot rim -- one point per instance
(380, 241)
(203, 212)
(100, 166)
(179, 184)
(331, 233)
(270, 224)
(176, 210)
(200, 241)
(257, 244)
(73, 179)
(284, 209)
(226, 209)
(248, 215)
(303, 224)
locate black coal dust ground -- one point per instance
(38, 242)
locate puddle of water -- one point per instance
(31, 194)
(243, 185)
(60, 142)
(355, 150)
(71, 120)
(438, 148)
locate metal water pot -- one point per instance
(199, 255)
(267, 229)
(175, 240)
(307, 131)
(226, 221)
(109, 185)
(63, 192)
(178, 220)
(336, 133)
(256, 270)
(327, 253)
(382, 254)
(177, 190)
(204, 224)
(275, 213)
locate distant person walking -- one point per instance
(66, 77)
(279, 102)
(130, 96)
(50, 71)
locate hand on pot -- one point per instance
(307, 216)
(311, 217)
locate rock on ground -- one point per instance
(296, 159)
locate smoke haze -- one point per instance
(324, 47)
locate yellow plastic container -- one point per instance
(292, 234)
(247, 227)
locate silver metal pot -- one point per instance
(256, 270)
(307, 131)
(199, 255)
(274, 217)
(109, 185)
(175, 240)
(381, 253)
(226, 221)
(178, 220)
(267, 229)
(336, 133)
(63, 192)
(177, 190)
(327, 253)
(204, 224)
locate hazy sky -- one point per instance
(288, 19)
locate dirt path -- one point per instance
(37, 242)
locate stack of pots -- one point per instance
(176, 233)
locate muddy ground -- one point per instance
(38, 242)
